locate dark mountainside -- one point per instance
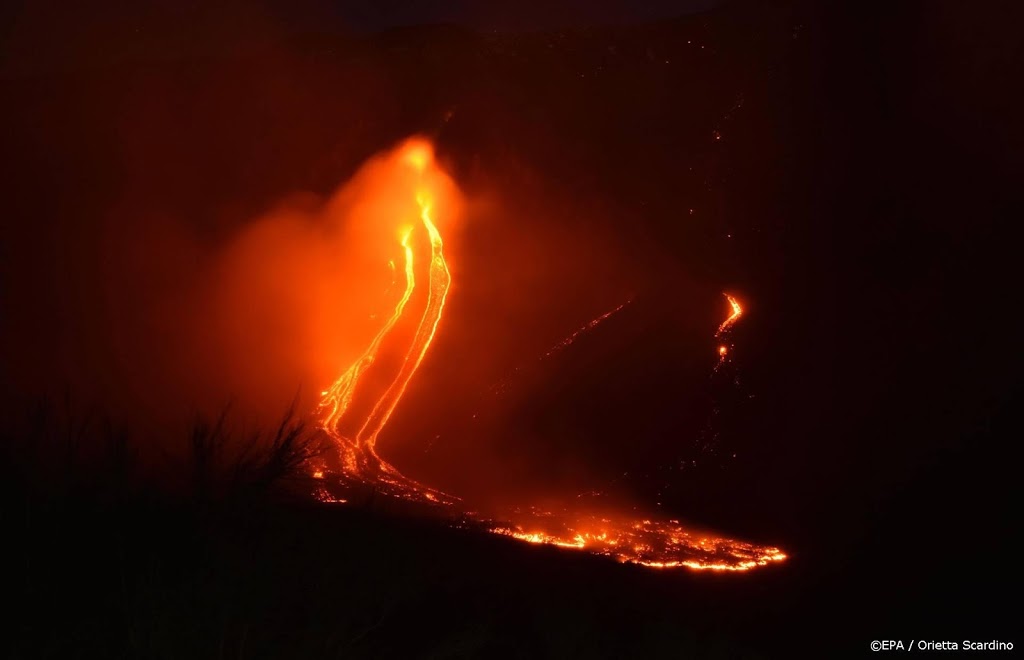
(850, 171)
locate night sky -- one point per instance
(514, 15)
(44, 36)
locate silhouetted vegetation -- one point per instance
(61, 451)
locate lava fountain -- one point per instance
(353, 429)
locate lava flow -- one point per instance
(505, 383)
(649, 542)
(734, 315)
(565, 343)
(358, 452)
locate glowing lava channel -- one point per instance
(359, 457)
(338, 398)
(439, 282)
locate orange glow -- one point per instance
(418, 153)
(734, 315)
(722, 350)
(653, 543)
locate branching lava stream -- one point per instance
(645, 541)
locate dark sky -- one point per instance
(357, 15)
(502, 15)
(41, 36)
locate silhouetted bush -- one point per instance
(59, 451)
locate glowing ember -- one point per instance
(658, 544)
(322, 495)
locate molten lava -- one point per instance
(649, 542)
(735, 312)
(734, 315)
(652, 543)
(338, 398)
(358, 452)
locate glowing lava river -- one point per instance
(352, 417)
